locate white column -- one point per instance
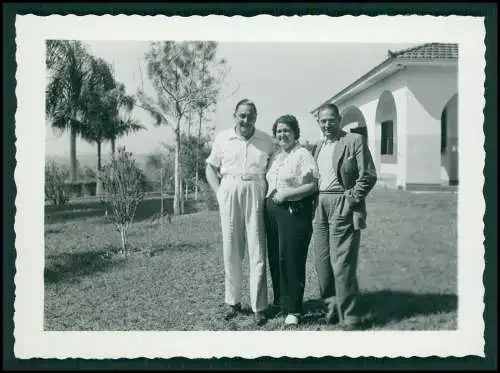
(401, 101)
(369, 109)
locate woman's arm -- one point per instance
(308, 187)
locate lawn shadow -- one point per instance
(96, 208)
(151, 206)
(385, 306)
(148, 208)
(69, 267)
(74, 211)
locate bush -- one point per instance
(74, 188)
(207, 196)
(89, 188)
(124, 185)
(55, 187)
(81, 188)
(87, 173)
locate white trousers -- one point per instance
(241, 205)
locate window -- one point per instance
(444, 130)
(387, 138)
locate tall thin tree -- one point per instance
(174, 70)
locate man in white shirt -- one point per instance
(240, 155)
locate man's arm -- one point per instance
(213, 163)
(367, 175)
(212, 178)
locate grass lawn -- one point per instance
(174, 279)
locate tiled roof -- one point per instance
(422, 53)
(430, 51)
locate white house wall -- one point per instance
(420, 94)
(429, 89)
(367, 102)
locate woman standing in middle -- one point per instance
(292, 178)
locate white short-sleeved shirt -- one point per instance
(235, 155)
(287, 170)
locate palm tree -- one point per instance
(105, 100)
(99, 105)
(67, 62)
(122, 123)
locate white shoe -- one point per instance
(291, 320)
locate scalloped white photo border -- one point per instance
(31, 341)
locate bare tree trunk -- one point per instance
(161, 198)
(196, 183)
(161, 191)
(181, 192)
(124, 240)
(198, 158)
(177, 171)
(113, 147)
(72, 155)
(99, 186)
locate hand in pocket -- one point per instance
(346, 206)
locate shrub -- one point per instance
(89, 188)
(55, 187)
(124, 186)
(207, 196)
(80, 188)
(87, 173)
(74, 188)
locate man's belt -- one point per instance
(334, 191)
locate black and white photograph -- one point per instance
(262, 186)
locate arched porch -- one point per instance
(386, 138)
(449, 142)
(354, 121)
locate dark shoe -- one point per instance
(332, 317)
(274, 311)
(260, 318)
(232, 311)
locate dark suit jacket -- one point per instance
(356, 172)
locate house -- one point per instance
(407, 107)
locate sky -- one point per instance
(281, 78)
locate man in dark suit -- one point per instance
(347, 175)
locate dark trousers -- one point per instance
(288, 236)
(335, 246)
